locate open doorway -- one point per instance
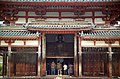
(59, 49)
(63, 61)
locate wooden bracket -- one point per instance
(9, 41)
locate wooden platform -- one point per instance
(53, 77)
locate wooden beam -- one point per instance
(59, 3)
(13, 38)
(59, 30)
(75, 17)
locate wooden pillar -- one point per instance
(60, 14)
(43, 62)
(93, 17)
(39, 56)
(75, 56)
(110, 61)
(9, 57)
(26, 16)
(80, 57)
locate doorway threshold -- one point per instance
(54, 76)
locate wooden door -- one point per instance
(116, 64)
(116, 61)
(94, 64)
(24, 64)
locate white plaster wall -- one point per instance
(88, 20)
(99, 21)
(52, 14)
(21, 13)
(18, 43)
(3, 43)
(32, 14)
(87, 43)
(31, 42)
(67, 19)
(21, 20)
(116, 43)
(99, 14)
(87, 14)
(67, 14)
(101, 43)
(52, 19)
(30, 20)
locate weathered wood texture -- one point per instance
(94, 63)
(116, 62)
(24, 64)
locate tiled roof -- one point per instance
(17, 33)
(101, 34)
(60, 26)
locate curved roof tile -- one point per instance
(101, 34)
(18, 33)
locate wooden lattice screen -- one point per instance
(94, 62)
(24, 64)
(116, 62)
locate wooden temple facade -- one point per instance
(27, 49)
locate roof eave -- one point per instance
(18, 37)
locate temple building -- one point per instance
(83, 35)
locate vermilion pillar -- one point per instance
(75, 56)
(39, 56)
(80, 56)
(110, 61)
(9, 58)
(43, 62)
